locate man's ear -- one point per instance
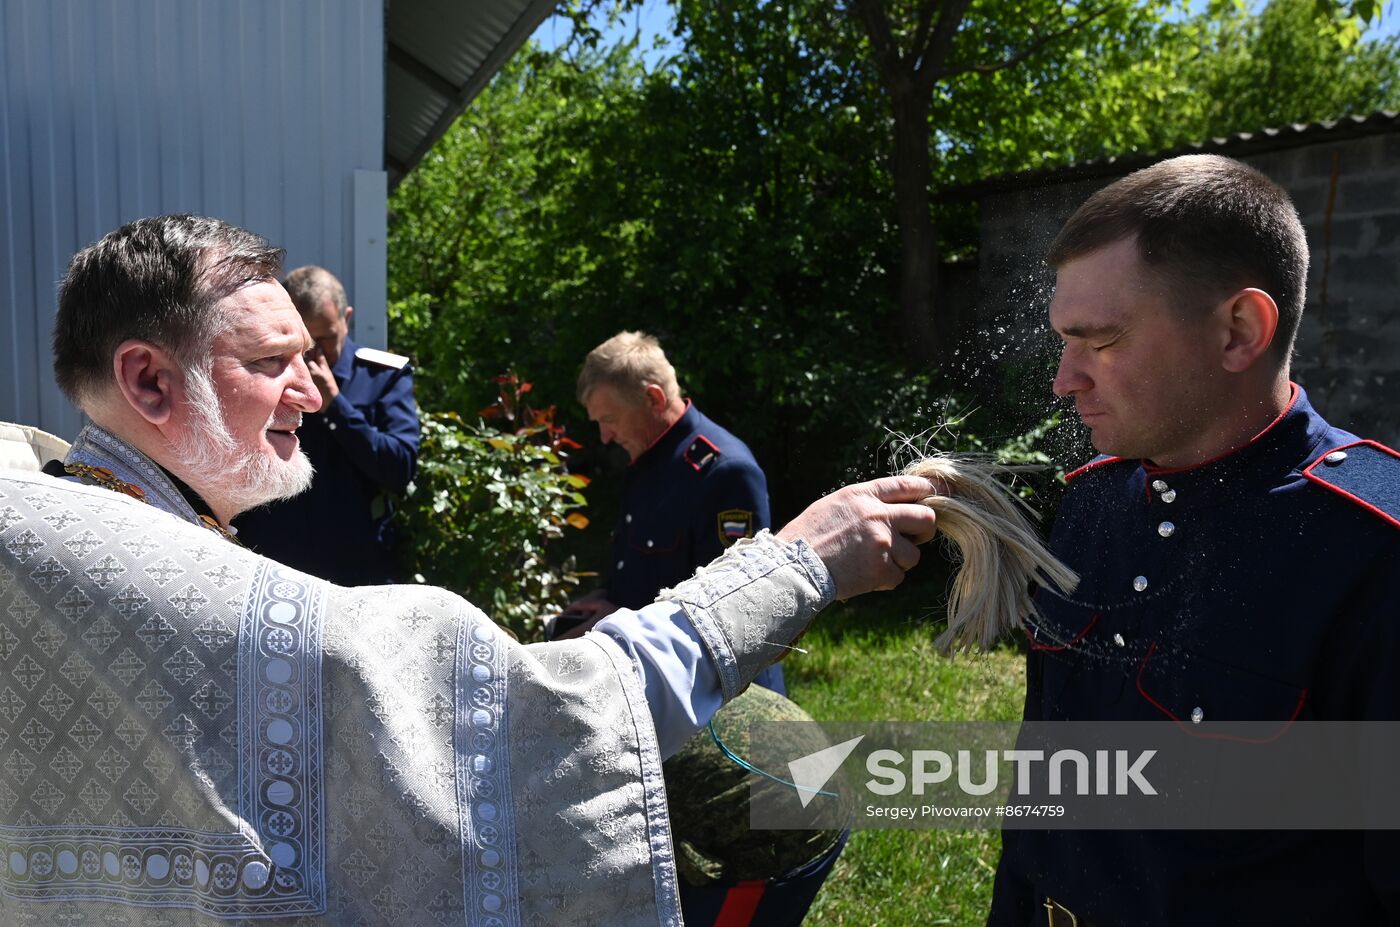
(1249, 319)
(146, 376)
(349, 311)
(656, 398)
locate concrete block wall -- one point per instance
(1348, 350)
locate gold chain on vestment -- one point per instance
(101, 476)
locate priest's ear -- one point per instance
(1249, 320)
(147, 377)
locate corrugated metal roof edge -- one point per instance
(1241, 144)
(509, 44)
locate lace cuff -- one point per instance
(751, 602)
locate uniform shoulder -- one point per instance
(710, 454)
(1102, 464)
(702, 454)
(379, 358)
(1365, 473)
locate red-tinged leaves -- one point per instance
(505, 492)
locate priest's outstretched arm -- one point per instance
(704, 641)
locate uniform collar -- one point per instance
(672, 437)
(341, 370)
(1284, 447)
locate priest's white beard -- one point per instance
(240, 478)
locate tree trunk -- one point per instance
(918, 278)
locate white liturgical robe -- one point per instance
(191, 733)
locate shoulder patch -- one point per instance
(701, 453)
(1365, 472)
(1091, 465)
(733, 525)
(382, 358)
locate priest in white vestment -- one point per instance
(192, 734)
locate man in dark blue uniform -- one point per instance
(363, 444)
(1235, 552)
(692, 488)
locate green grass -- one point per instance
(874, 660)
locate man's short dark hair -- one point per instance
(1208, 226)
(157, 280)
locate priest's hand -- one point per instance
(867, 533)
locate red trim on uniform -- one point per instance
(1090, 466)
(1189, 728)
(1056, 648)
(708, 443)
(1308, 472)
(1292, 400)
(740, 903)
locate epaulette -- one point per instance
(1091, 465)
(701, 453)
(382, 358)
(1366, 472)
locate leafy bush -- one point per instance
(485, 504)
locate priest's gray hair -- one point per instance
(1001, 556)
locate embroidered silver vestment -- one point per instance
(191, 733)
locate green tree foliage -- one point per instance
(919, 49)
(471, 275)
(1144, 77)
(716, 204)
(1286, 65)
(738, 199)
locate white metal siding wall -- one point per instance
(259, 112)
